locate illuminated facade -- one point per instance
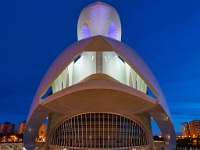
(191, 129)
(99, 92)
(194, 128)
(185, 129)
(100, 130)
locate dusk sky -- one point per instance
(166, 34)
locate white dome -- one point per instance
(99, 19)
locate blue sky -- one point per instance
(166, 34)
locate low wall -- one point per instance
(159, 144)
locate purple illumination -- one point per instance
(85, 33)
(112, 33)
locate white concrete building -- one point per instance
(99, 94)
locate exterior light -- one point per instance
(166, 143)
(166, 118)
(29, 129)
(168, 137)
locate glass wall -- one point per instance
(89, 63)
(99, 130)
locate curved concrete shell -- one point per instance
(99, 74)
(99, 19)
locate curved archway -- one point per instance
(99, 130)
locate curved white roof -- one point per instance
(99, 19)
(125, 52)
(107, 44)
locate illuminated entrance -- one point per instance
(99, 130)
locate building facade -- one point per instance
(99, 92)
(21, 127)
(194, 127)
(191, 129)
(185, 129)
(7, 128)
(1, 128)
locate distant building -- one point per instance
(191, 128)
(7, 128)
(1, 128)
(194, 127)
(185, 129)
(10, 128)
(21, 127)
